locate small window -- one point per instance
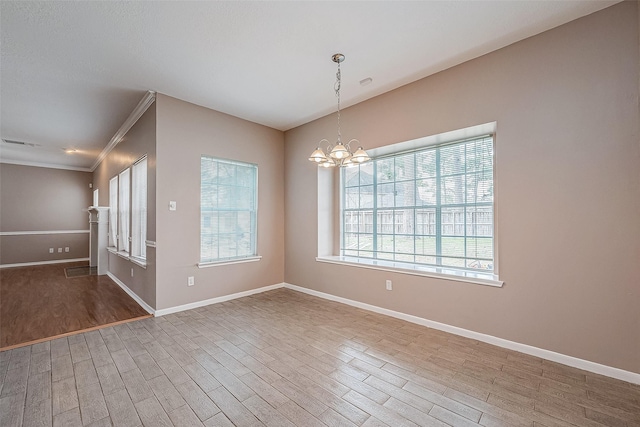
(139, 209)
(228, 210)
(113, 212)
(432, 206)
(124, 181)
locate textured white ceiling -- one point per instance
(71, 72)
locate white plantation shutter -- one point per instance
(113, 212)
(228, 209)
(431, 206)
(139, 208)
(124, 209)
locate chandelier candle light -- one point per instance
(339, 154)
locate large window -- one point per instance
(113, 212)
(432, 206)
(139, 209)
(124, 184)
(228, 210)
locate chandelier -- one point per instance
(338, 154)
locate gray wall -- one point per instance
(43, 199)
(185, 133)
(140, 140)
(567, 190)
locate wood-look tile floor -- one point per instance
(39, 302)
(284, 358)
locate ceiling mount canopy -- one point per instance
(338, 154)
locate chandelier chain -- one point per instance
(337, 89)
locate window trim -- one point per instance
(113, 216)
(242, 258)
(446, 273)
(137, 228)
(124, 242)
(229, 261)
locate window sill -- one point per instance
(122, 254)
(487, 279)
(141, 262)
(228, 262)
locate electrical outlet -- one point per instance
(59, 250)
(131, 271)
(389, 285)
(66, 249)
(50, 250)
(172, 205)
(191, 281)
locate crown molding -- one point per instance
(137, 112)
(45, 165)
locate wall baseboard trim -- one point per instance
(216, 300)
(575, 362)
(132, 294)
(55, 261)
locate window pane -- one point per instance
(352, 198)
(351, 177)
(385, 243)
(405, 192)
(480, 247)
(426, 192)
(404, 167)
(431, 206)
(385, 221)
(350, 241)
(385, 170)
(452, 190)
(426, 245)
(113, 212)
(386, 195)
(426, 222)
(366, 197)
(452, 221)
(228, 209)
(366, 174)
(452, 159)
(124, 185)
(405, 221)
(405, 244)
(365, 242)
(453, 246)
(426, 164)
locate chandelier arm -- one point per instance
(329, 147)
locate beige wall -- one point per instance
(185, 132)
(43, 199)
(140, 140)
(567, 188)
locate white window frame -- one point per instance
(113, 212)
(124, 210)
(489, 278)
(139, 209)
(216, 203)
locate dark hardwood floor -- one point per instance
(40, 302)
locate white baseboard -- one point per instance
(55, 261)
(132, 294)
(575, 362)
(216, 300)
